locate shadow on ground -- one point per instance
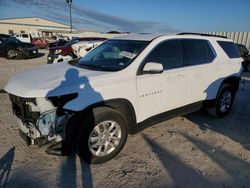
(68, 173)
(77, 140)
(39, 55)
(181, 174)
(5, 166)
(184, 175)
(236, 125)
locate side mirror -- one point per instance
(153, 68)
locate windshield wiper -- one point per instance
(91, 66)
(97, 67)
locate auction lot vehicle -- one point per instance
(59, 42)
(65, 53)
(40, 43)
(244, 52)
(23, 37)
(80, 49)
(122, 86)
(12, 48)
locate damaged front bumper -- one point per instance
(39, 120)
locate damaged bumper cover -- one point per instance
(42, 120)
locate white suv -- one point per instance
(122, 86)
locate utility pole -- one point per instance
(70, 14)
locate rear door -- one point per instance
(200, 60)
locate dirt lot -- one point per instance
(192, 151)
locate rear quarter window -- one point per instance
(230, 49)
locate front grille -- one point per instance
(22, 110)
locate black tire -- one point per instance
(247, 69)
(93, 119)
(217, 110)
(11, 54)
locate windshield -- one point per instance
(112, 55)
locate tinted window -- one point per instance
(197, 52)
(168, 54)
(230, 49)
(25, 36)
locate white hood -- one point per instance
(51, 80)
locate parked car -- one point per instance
(24, 37)
(80, 49)
(59, 42)
(40, 43)
(122, 86)
(65, 52)
(244, 52)
(12, 48)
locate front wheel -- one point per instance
(12, 54)
(223, 102)
(102, 135)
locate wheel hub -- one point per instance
(225, 101)
(104, 138)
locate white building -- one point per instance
(36, 26)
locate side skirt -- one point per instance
(169, 115)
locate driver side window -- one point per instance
(168, 53)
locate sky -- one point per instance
(147, 16)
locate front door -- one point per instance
(158, 93)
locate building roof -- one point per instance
(34, 21)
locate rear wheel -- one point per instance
(102, 135)
(224, 101)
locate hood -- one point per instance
(51, 80)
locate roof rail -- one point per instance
(202, 34)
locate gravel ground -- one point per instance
(192, 151)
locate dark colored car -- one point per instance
(12, 48)
(244, 52)
(60, 42)
(66, 49)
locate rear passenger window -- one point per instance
(230, 49)
(197, 52)
(168, 53)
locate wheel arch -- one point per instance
(121, 105)
(234, 81)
